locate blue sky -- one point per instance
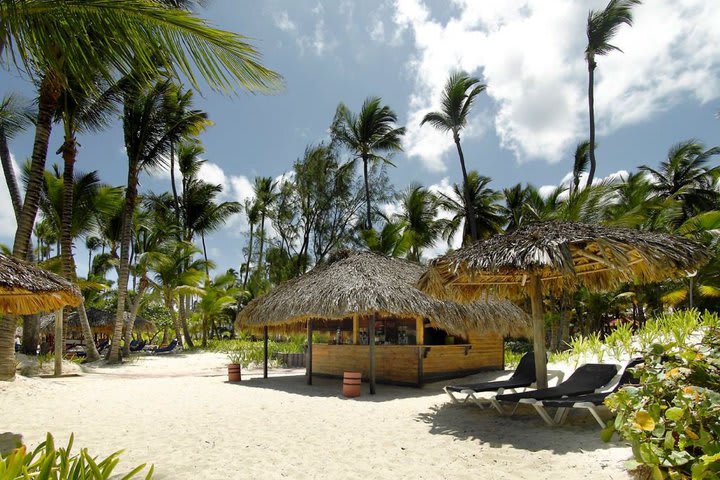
(662, 89)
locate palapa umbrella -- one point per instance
(558, 256)
(101, 321)
(26, 289)
(373, 285)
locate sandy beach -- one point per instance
(181, 414)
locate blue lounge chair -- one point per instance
(167, 349)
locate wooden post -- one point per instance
(420, 331)
(536, 300)
(371, 342)
(356, 327)
(58, 342)
(421, 372)
(265, 351)
(308, 357)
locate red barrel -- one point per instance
(233, 373)
(351, 384)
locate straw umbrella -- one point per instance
(554, 257)
(27, 289)
(376, 286)
(101, 321)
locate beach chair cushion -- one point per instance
(523, 376)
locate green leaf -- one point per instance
(674, 413)
(644, 421)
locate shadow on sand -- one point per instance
(524, 430)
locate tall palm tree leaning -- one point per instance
(602, 25)
(15, 115)
(56, 37)
(458, 96)
(368, 136)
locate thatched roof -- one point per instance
(565, 255)
(26, 288)
(98, 320)
(365, 283)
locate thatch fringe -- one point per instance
(366, 283)
(27, 289)
(565, 255)
(99, 320)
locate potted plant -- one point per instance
(236, 357)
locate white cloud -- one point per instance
(283, 22)
(530, 53)
(7, 214)
(377, 31)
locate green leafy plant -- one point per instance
(672, 418)
(619, 341)
(46, 462)
(512, 358)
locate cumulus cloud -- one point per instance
(316, 38)
(530, 53)
(283, 22)
(7, 214)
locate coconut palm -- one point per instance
(266, 194)
(458, 96)
(15, 115)
(418, 213)
(580, 163)
(92, 244)
(390, 241)
(686, 177)
(514, 209)
(602, 25)
(215, 296)
(252, 211)
(488, 213)
(147, 141)
(53, 41)
(369, 135)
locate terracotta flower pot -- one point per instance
(233, 372)
(351, 384)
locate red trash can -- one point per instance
(351, 384)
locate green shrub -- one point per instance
(672, 418)
(46, 462)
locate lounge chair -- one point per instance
(588, 402)
(523, 377)
(137, 345)
(167, 349)
(586, 379)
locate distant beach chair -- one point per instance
(137, 345)
(588, 378)
(589, 402)
(167, 349)
(522, 377)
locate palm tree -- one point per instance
(265, 194)
(369, 136)
(56, 40)
(15, 116)
(419, 210)
(686, 177)
(147, 141)
(458, 96)
(580, 163)
(602, 25)
(390, 241)
(92, 244)
(252, 211)
(488, 213)
(516, 198)
(215, 296)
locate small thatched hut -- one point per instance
(552, 257)
(362, 299)
(101, 323)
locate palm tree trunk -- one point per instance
(10, 178)
(262, 241)
(176, 203)
(47, 104)
(7, 347)
(176, 322)
(367, 191)
(133, 315)
(207, 269)
(247, 265)
(204, 331)
(591, 110)
(69, 154)
(472, 221)
(124, 268)
(183, 320)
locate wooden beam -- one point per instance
(536, 299)
(265, 351)
(371, 342)
(356, 328)
(420, 331)
(421, 370)
(58, 342)
(308, 357)
(600, 260)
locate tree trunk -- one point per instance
(7, 347)
(367, 191)
(591, 110)
(124, 268)
(133, 315)
(176, 323)
(31, 334)
(183, 320)
(47, 104)
(207, 268)
(176, 202)
(466, 189)
(536, 297)
(247, 265)
(262, 241)
(69, 154)
(204, 331)
(10, 178)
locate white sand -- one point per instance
(179, 412)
